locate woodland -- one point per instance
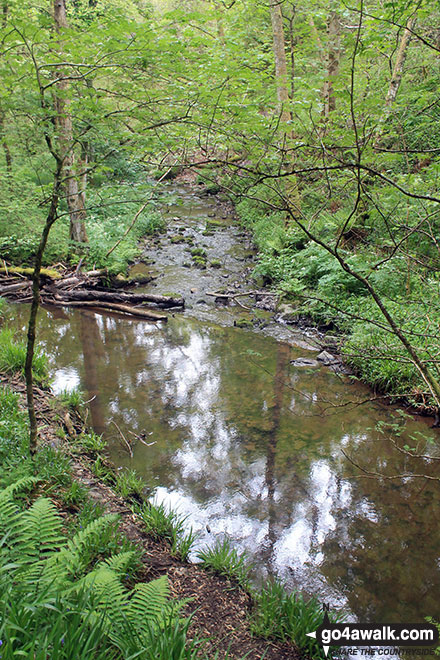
(320, 123)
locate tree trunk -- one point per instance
(8, 157)
(74, 196)
(333, 55)
(50, 219)
(396, 77)
(279, 51)
(291, 187)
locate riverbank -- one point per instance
(221, 611)
(317, 292)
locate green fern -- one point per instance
(149, 600)
(53, 588)
(40, 531)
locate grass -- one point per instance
(225, 560)
(288, 617)
(164, 523)
(128, 484)
(91, 442)
(73, 398)
(13, 357)
(15, 462)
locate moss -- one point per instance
(243, 323)
(200, 262)
(17, 270)
(198, 252)
(215, 263)
(212, 223)
(177, 238)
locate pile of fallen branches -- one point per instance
(90, 289)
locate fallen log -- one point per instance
(112, 296)
(101, 305)
(69, 281)
(12, 288)
(219, 294)
(18, 270)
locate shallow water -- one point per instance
(249, 445)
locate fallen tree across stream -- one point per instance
(95, 289)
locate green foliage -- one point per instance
(75, 495)
(13, 357)
(163, 523)
(59, 593)
(15, 462)
(225, 560)
(436, 623)
(91, 442)
(284, 616)
(107, 223)
(73, 398)
(128, 483)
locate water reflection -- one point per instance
(240, 442)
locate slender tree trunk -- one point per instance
(74, 196)
(333, 55)
(396, 77)
(282, 85)
(6, 149)
(279, 50)
(50, 219)
(219, 21)
(292, 44)
(8, 157)
(316, 35)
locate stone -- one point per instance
(327, 358)
(305, 362)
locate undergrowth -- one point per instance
(289, 617)
(312, 281)
(13, 357)
(164, 523)
(224, 559)
(73, 582)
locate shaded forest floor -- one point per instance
(220, 609)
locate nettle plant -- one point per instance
(63, 598)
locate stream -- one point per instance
(245, 441)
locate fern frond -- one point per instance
(40, 528)
(118, 563)
(107, 595)
(22, 484)
(84, 545)
(9, 516)
(89, 537)
(149, 602)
